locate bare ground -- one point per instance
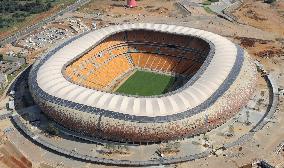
(264, 16)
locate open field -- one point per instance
(144, 83)
(268, 17)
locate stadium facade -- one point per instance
(73, 84)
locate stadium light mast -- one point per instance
(131, 3)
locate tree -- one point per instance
(51, 129)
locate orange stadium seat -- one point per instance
(136, 58)
(153, 61)
(172, 64)
(143, 59)
(150, 60)
(167, 63)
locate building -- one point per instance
(73, 84)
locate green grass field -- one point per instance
(144, 83)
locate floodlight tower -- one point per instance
(131, 3)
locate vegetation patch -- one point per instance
(16, 11)
(207, 9)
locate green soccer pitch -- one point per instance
(143, 83)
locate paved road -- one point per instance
(29, 29)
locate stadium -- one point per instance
(143, 82)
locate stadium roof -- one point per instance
(210, 77)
